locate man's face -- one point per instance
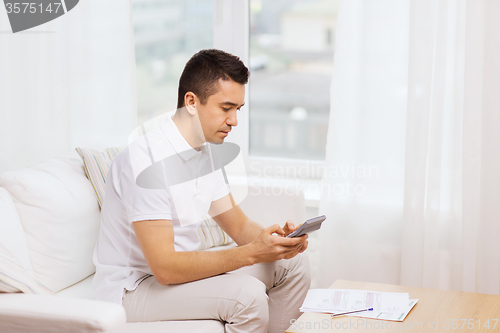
(219, 114)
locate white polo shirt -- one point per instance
(119, 261)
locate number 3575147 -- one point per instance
(27, 7)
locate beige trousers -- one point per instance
(258, 299)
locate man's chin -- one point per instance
(217, 141)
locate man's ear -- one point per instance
(190, 102)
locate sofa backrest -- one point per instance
(11, 231)
(60, 217)
(268, 204)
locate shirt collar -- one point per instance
(174, 136)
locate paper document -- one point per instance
(388, 306)
(341, 300)
(394, 316)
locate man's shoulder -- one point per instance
(139, 155)
(121, 160)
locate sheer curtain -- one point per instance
(67, 83)
(412, 189)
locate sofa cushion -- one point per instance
(176, 326)
(82, 289)
(11, 231)
(60, 217)
(14, 278)
(97, 165)
(20, 313)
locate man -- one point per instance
(146, 256)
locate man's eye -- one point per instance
(226, 109)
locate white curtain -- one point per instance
(412, 191)
(67, 83)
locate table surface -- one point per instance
(436, 311)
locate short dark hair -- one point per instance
(203, 71)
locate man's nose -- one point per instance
(232, 120)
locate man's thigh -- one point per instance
(221, 297)
(272, 274)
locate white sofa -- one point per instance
(49, 221)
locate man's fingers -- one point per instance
(275, 229)
(288, 242)
(304, 247)
(294, 250)
(297, 240)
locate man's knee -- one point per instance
(252, 302)
(299, 265)
(253, 294)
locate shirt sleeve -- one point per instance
(222, 189)
(144, 204)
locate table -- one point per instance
(436, 311)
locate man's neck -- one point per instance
(190, 128)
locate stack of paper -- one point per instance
(388, 306)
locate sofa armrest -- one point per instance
(36, 313)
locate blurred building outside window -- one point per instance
(291, 62)
(290, 58)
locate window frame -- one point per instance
(232, 34)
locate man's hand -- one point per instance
(156, 238)
(268, 247)
(289, 228)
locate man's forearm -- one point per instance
(156, 238)
(247, 233)
(179, 267)
(189, 266)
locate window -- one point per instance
(288, 45)
(167, 33)
(291, 62)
